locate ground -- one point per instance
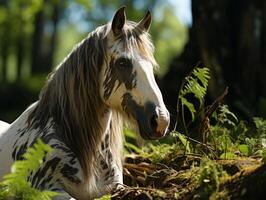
(245, 178)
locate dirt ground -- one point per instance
(245, 179)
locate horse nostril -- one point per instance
(153, 122)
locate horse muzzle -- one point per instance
(153, 122)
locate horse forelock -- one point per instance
(71, 98)
(132, 38)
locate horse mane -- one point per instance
(71, 96)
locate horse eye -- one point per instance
(123, 63)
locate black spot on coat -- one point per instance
(123, 73)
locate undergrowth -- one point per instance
(208, 177)
(219, 134)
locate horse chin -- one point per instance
(142, 129)
(147, 133)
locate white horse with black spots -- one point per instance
(106, 79)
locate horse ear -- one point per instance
(118, 21)
(145, 23)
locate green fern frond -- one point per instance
(195, 88)
(196, 84)
(33, 158)
(190, 107)
(15, 184)
(203, 74)
(183, 140)
(225, 116)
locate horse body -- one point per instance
(3, 127)
(61, 171)
(106, 79)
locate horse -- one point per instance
(106, 81)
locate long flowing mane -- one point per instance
(71, 95)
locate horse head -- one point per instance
(127, 79)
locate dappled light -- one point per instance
(132, 99)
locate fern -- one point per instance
(189, 105)
(15, 184)
(196, 84)
(226, 117)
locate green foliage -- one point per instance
(162, 153)
(264, 155)
(130, 143)
(105, 197)
(196, 83)
(226, 117)
(227, 137)
(244, 149)
(85, 3)
(208, 176)
(184, 141)
(170, 40)
(189, 105)
(260, 125)
(129, 147)
(15, 184)
(232, 136)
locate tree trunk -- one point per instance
(52, 46)
(4, 52)
(229, 38)
(37, 44)
(4, 45)
(20, 51)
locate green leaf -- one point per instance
(184, 141)
(15, 184)
(133, 147)
(196, 84)
(227, 155)
(243, 148)
(226, 117)
(105, 197)
(190, 107)
(128, 133)
(203, 74)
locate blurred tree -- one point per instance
(44, 43)
(4, 47)
(15, 24)
(170, 37)
(229, 38)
